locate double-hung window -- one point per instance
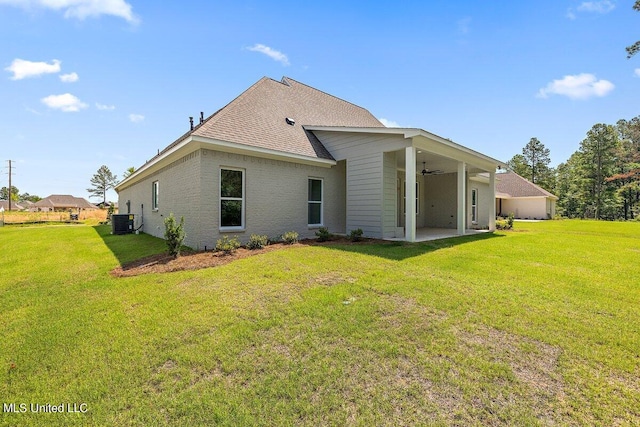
(314, 202)
(154, 195)
(474, 206)
(231, 199)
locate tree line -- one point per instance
(600, 180)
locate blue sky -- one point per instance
(89, 82)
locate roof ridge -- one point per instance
(326, 93)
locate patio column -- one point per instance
(410, 198)
(462, 197)
(492, 205)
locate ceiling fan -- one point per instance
(426, 171)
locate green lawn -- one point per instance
(539, 326)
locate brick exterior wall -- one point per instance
(275, 197)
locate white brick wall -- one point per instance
(275, 197)
(179, 190)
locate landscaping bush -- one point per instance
(174, 234)
(323, 234)
(356, 235)
(290, 237)
(505, 223)
(257, 241)
(228, 245)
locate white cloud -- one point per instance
(271, 53)
(579, 86)
(22, 69)
(80, 9)
(603, 6)
(104, 107)
(136, 118)
(389, 123)
(637, 72)
(65, 102)
(69, 78)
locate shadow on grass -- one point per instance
(398, 251)
(130, 247)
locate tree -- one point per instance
(101, 182)
(533, 164)
(128, 172)
(519, 165)
(598, 159)
(30, 197)
(4, 193)
(634, 48)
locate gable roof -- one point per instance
(510, 184)
(258, 117)
(14, 205)
(60, 201)
(256, 121)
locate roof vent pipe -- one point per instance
(289, 121)
(201, 117)
(191, 121)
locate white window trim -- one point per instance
(321, 202)
(155, 195)
(474, 207)
(242, 199)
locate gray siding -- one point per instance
(348, 145)
(364, 194)
(390, 195)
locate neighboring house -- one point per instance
(62, 202)
(15, 206)
(523, 198)
(284, 156)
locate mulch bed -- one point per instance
(164, 263)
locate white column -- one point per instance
(462, 197)
(410, 191)
(492, 205)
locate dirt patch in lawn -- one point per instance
(164, 263)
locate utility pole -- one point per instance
(9, 192)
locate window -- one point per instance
(315, 202)
(404, 210)
(154, 195)
(474, 205)
(232, 198)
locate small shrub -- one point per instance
(174, 234)
(323, 234)
(510, 221)
(501, 224)
(257, 241)
(355, 235)
(290, 237)
(228, 245)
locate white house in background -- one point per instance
(523, 198)
(284, 156)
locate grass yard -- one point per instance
(539, 326)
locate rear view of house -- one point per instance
(284, 156)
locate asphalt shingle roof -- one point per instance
(64, 201)
(513, 185)
(258, 118)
